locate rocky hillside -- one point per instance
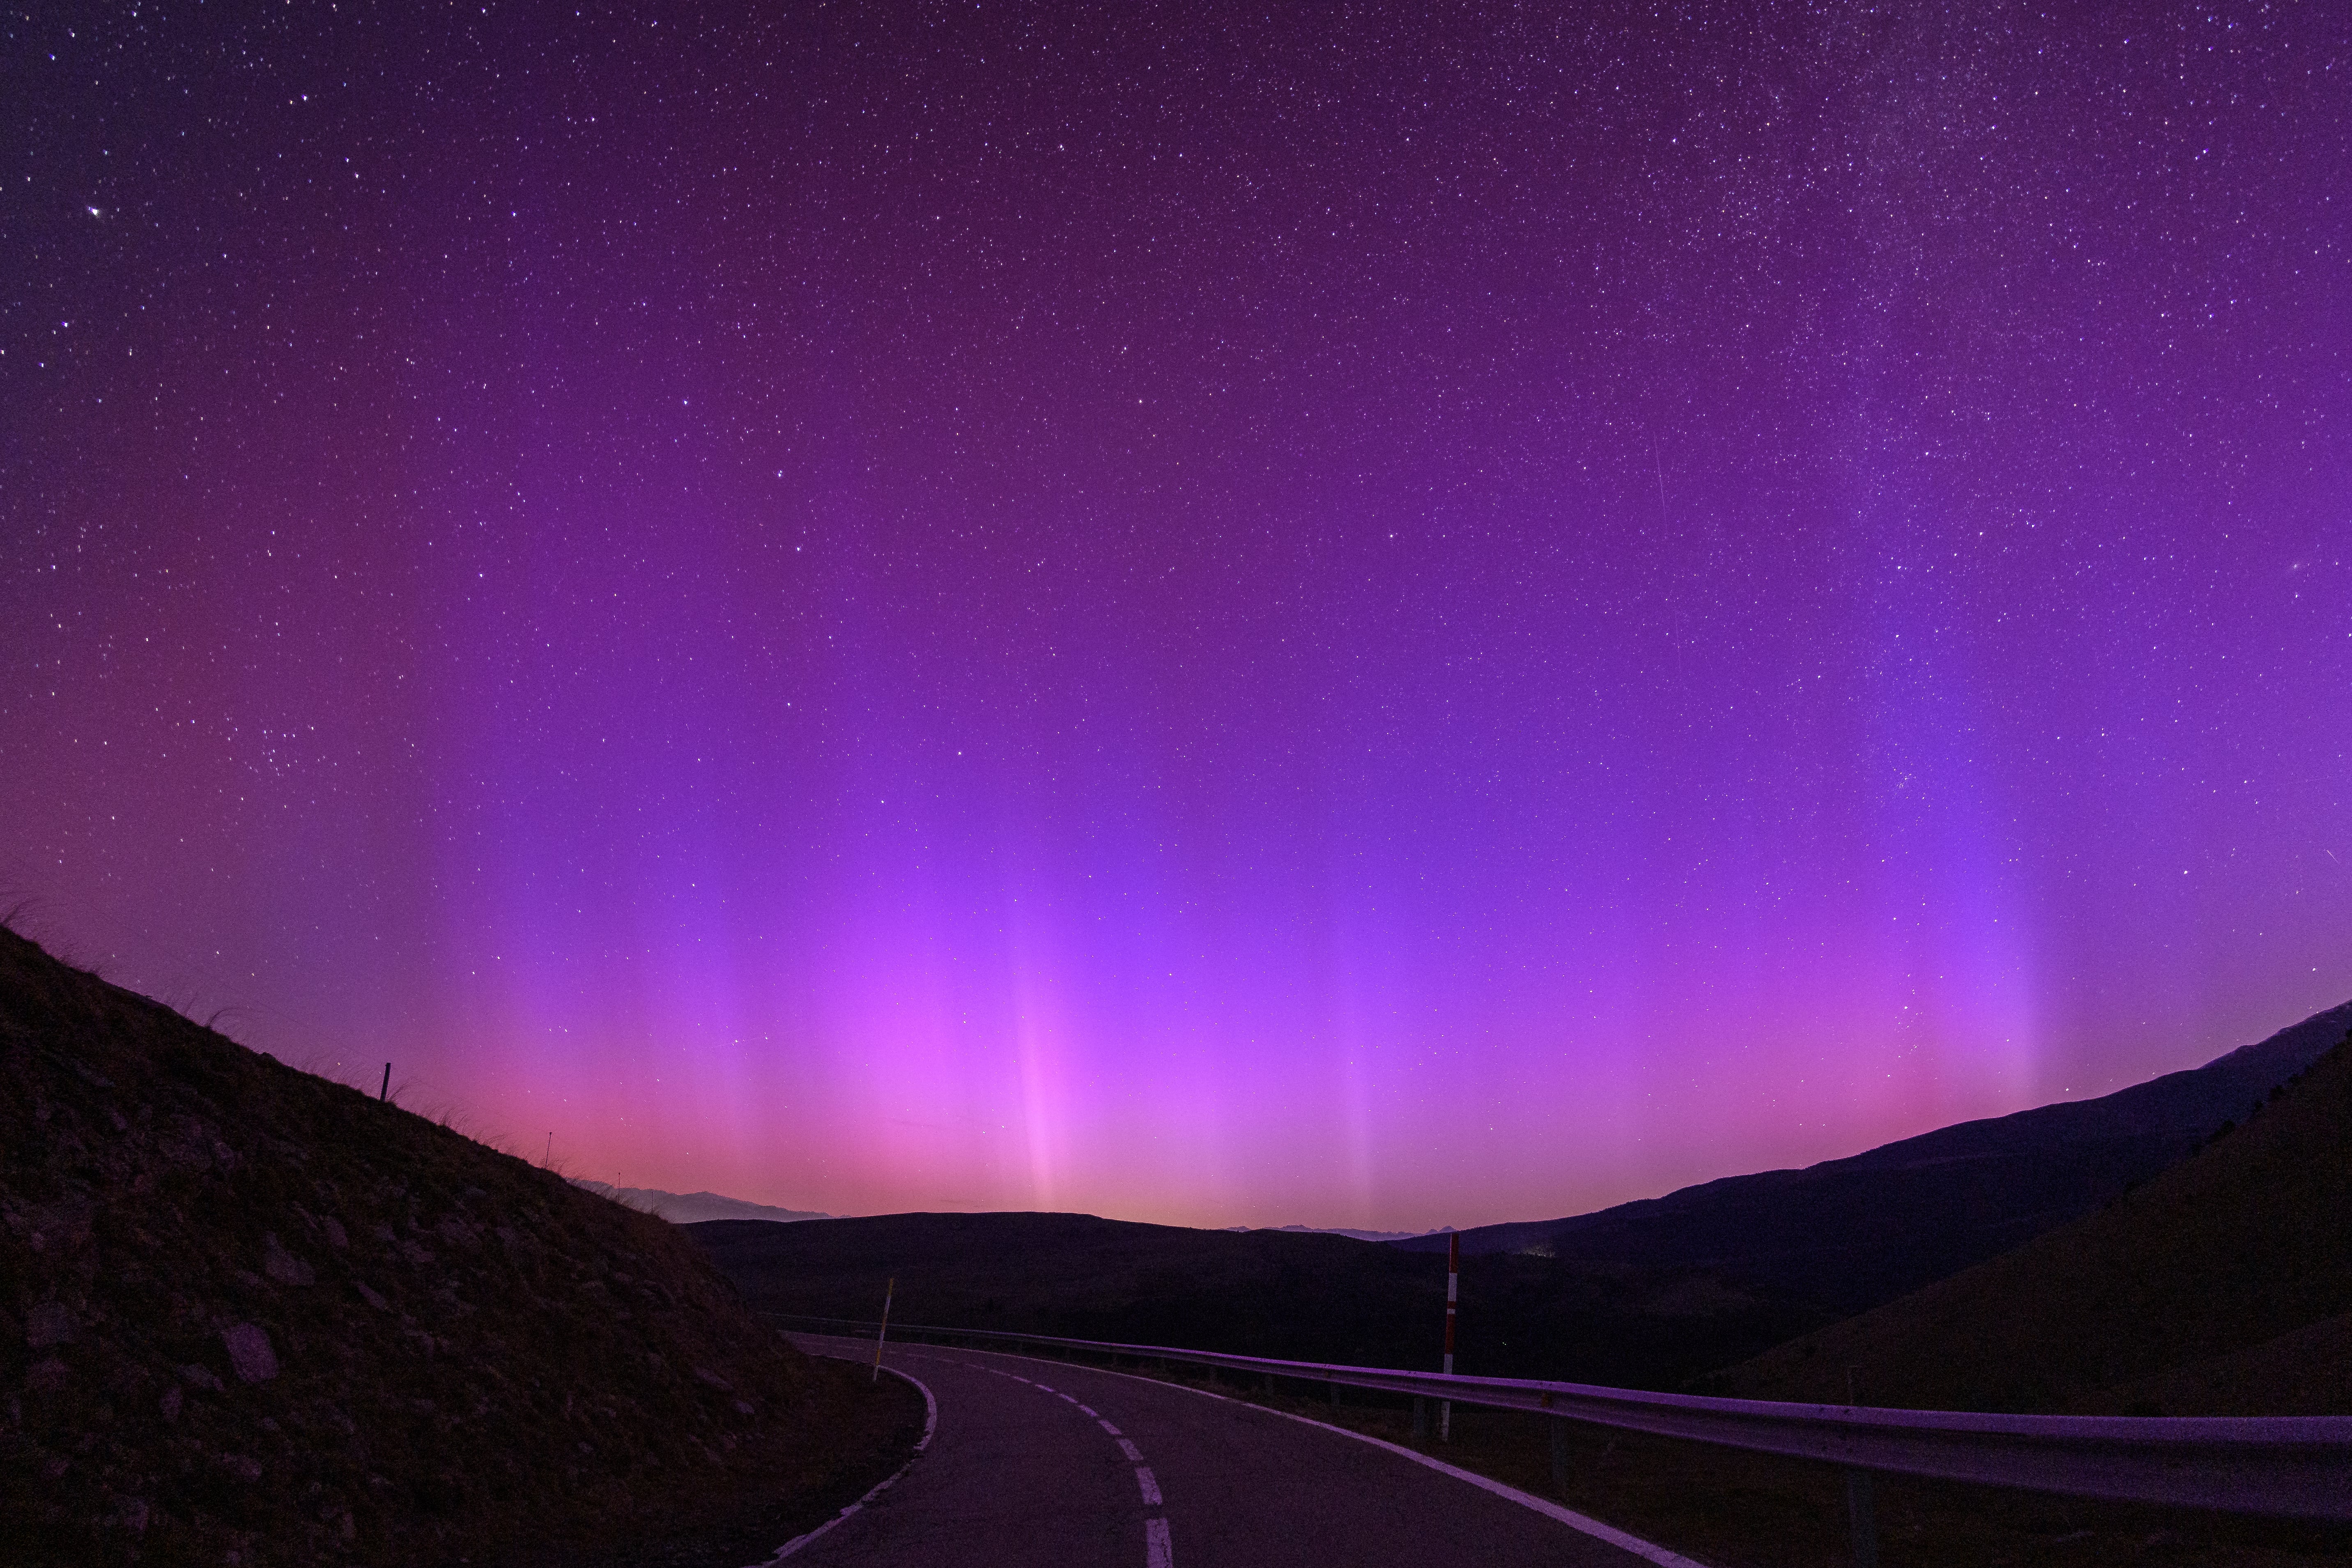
(250, 1316)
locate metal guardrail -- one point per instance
(2295, 1467)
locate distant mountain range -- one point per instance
(1851, 1233)
(692, 1208)
(1846, 1234)
(1342, 1230)
(1646, 1294)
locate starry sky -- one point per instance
(1377, 615)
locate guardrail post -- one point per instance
(1559, 1455)
(1861, 1501)
(1862, 1506)
(1335, 1394)
(1419, 1419)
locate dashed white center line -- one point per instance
(1157, 1552)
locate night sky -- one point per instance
(1369, 618)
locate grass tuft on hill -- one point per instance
(251, 1316)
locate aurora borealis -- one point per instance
(1370, 618)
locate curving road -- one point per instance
(1044, 1462)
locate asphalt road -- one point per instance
(1041, 1462)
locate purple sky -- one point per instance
(1386, 620)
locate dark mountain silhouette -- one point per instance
(1850, 1234)
(2223, 1287)
(249, 1314)
(1299, 1297)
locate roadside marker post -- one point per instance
(1453, 1293)
(883, 1332)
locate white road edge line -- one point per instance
(1647, 1550)
(930, 1425)
(1566, 1516)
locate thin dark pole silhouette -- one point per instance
(1453, 1293)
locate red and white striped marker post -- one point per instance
(883, 1332)
(1453, 1293)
